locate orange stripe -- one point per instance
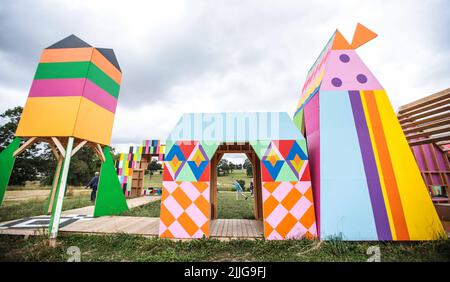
(100, 61)
(388, 171)
(81, 55)
(66, 55)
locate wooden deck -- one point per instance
(149, 226)
(236, 229)
(223, 229)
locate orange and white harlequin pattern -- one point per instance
(185, 210)
(288, 210)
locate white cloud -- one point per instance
(211, 56)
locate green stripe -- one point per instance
(62, 70)
(100, 78)
(78, 70)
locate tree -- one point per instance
(38, 162)
(248, 167)
(232, 166)
(154, 165)
(30, 163)
(223, 167)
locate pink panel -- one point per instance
(311, 113)
(346, 71)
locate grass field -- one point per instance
(224, 183)
(34, 207)
(228, 207)
(122, 247)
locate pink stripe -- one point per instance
(64, 87)
(99, 96)
(311, 116)
(57, 87)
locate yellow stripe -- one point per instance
(380, 171)
(48, 116)
(420, 214)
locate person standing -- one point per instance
(93, 184)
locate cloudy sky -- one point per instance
(222, 56)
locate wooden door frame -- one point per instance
(227, 148)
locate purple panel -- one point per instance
(440, 158)
(370, 168)
(429, 157)
(418, 156)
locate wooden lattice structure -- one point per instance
(426, 124)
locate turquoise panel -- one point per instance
(345, 207)
(235, 127)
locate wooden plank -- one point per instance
(248, 232)
(424, 107)
(429, 140)
(60, 147)
(427, 126)
(419, 122)
(213, 227)
(221, 230)
(55, 151)
(98, 150)
(425, 101)
(55, 185)
(429, 133)
(231, 151)
(78, 147)
(229, 226)
(24, 146)
(426, 114)
(216, 228)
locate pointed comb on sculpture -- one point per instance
(361, 36)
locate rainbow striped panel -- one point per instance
(74, 93)
(366, 182)
(129, 161)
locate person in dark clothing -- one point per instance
(93, 184)
(251, 188)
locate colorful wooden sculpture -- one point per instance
(365, 180)
(71, 104)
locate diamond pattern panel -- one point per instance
(288, 210)
(185, 210)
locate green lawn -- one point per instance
(228, 207)
(154, 180)
(37, 207)
(122, 247)
(225, 183)
(148, 210)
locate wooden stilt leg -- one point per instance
(55, 186)
(56, 212)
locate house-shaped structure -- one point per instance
(283, 192)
